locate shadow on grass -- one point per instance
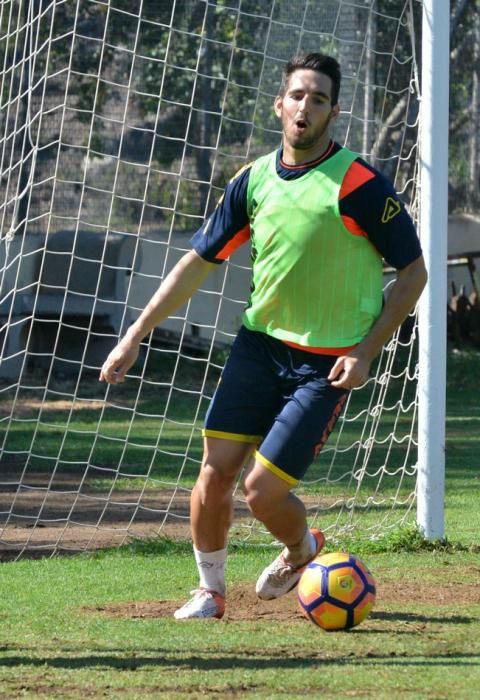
(218, 662)
(414, 617)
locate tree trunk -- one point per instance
(473, 195)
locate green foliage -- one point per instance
(190, 77)
(147, 547)
(464, 52)
(403, 539)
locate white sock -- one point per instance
(211, 568)
(303, 551)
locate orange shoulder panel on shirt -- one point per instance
(352, 226)
(356, 176)
(239, 239)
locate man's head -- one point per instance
(306, 105)
(318, 62)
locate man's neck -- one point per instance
(314, 155)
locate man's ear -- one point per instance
(335, 112)
(277, 105)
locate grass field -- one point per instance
(100, 625)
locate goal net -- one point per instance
(120, 124)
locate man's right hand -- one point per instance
(177, 287)
(119, 361)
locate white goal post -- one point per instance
(120, 124)
(433, 230)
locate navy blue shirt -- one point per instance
(368, 205)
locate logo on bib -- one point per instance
(392, 208)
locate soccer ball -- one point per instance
(336, 591)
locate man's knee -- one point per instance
(259, 504)
(222, 462)
(214, 485)
(264, 492)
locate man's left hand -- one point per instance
(349, 371)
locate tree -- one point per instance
(464, 105)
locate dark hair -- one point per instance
(314, 61)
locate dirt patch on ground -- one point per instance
(32, 407)
(63, 512)
(243, 604)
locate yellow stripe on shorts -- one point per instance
(276, 470)
(237, 437)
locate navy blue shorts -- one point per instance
(278, 398)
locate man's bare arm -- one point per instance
(352, 370)
(177, 287)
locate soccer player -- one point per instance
(320, 220)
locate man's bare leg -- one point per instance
(211, 501)
(211, 518)
(272, 502)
